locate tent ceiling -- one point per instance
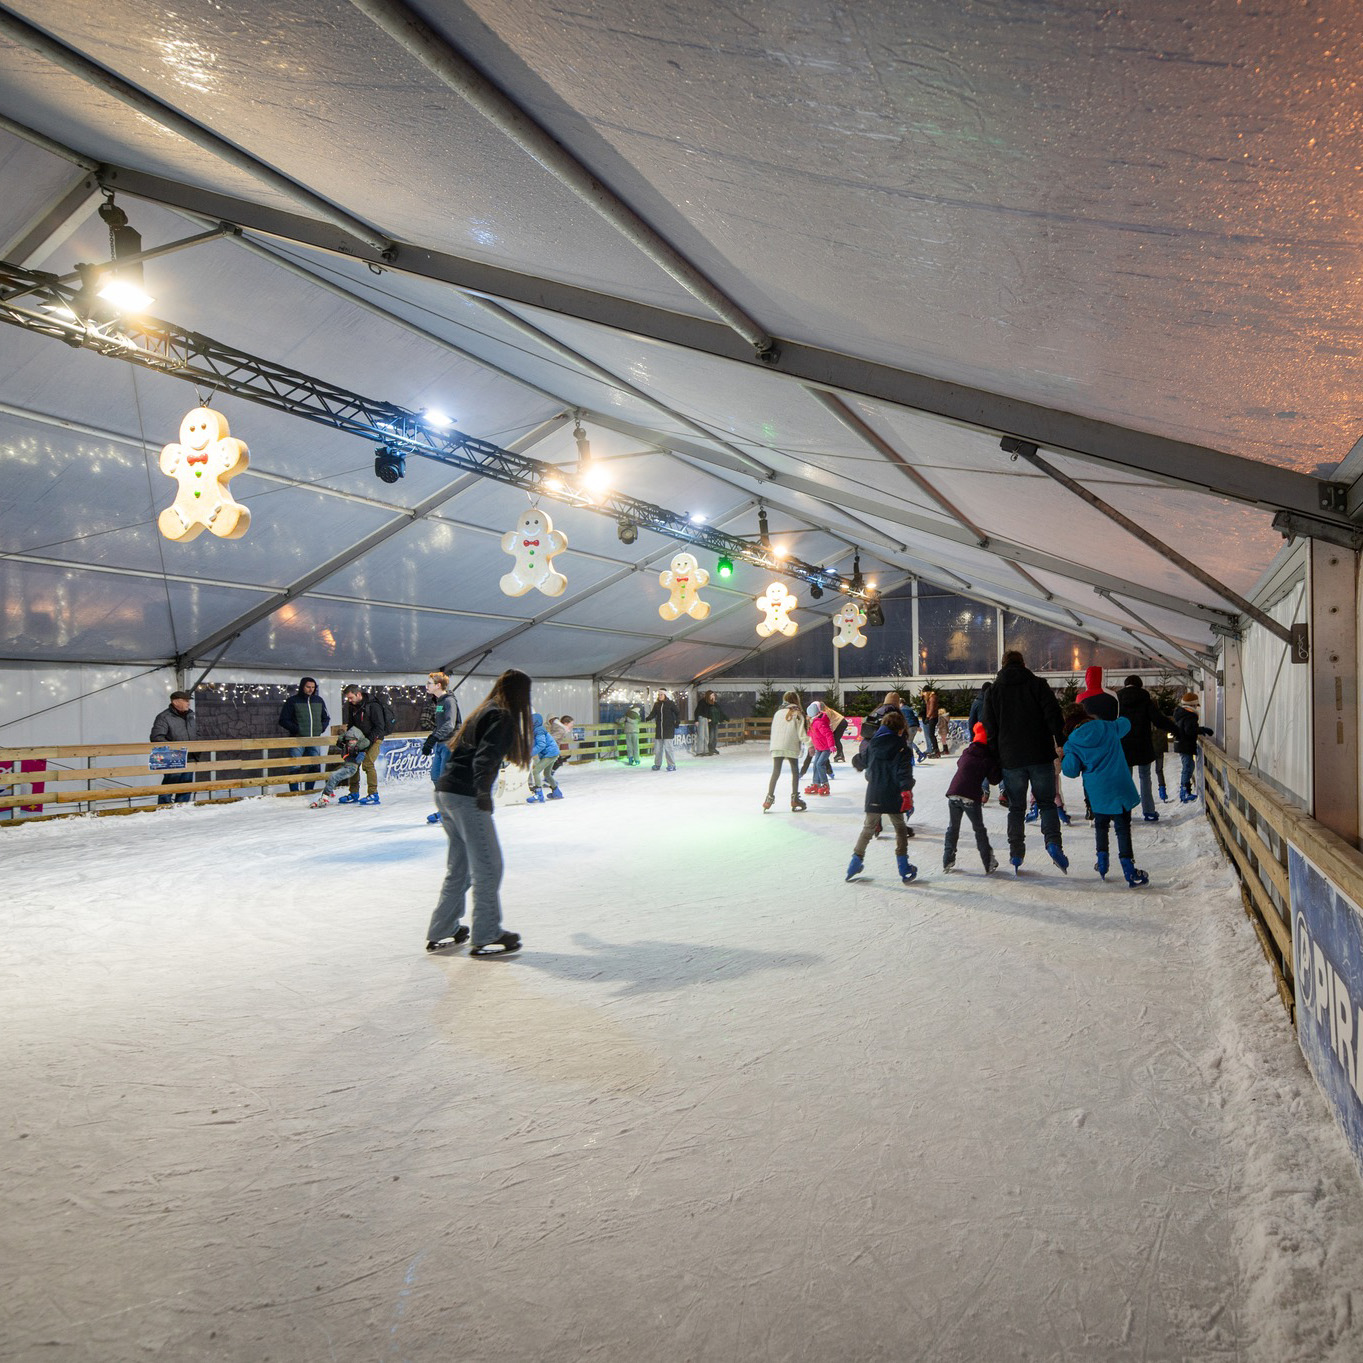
(960, 192)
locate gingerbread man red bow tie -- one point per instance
(197, 458)
(528, 543)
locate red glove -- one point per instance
(906, 802)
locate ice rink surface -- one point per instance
(723, 1107)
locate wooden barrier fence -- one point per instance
(1254, 824)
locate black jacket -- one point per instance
(172, 727)
(367, 717)
(1136, 704)
(889, 771)
(1022, 718)
(711, 710)
(1186, 730)
(475, 762)
(302, 715)
(664, 716)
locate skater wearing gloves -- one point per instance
(975, 769)
(634, 717)
(787, 733)
(1094, 751)
(821, 745)
(1138, 708)
(500, 729)
(1186, 730)
(446, 721)
(543, 760)
(889, 793)
(353, 747)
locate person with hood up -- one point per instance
(664, 717)
(543, 755)
(787, 733)
(1137, 706)
(1022, 718)
(304, 715)
(1094, 751)
(499, 730)
(889, 793)
(1186, 730)
(446, 720)
(822, 744)
(634, 717)
(352, 747)
(975, 769)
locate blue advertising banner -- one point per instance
(401, 759)
(167, 759)
(1327, 947)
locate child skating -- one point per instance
(1094, 751)
(352, 746)
(544, 757)
(889, 792)
(975, 769)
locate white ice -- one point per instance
(723, 1107)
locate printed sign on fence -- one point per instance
(167, 759)
(1327, 949)
(401, 759)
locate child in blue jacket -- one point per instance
(889, 791)
(1094, 750)
(542, 759)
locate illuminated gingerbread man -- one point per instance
(532, 544)
(778, 603)
(684, 579)
(203, 463)
(847, 625)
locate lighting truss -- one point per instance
(66, 312)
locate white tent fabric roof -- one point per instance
(953, 192)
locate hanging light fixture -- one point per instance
(725, 566)
(763, 536)
(858, 582)
(874, 614)
(389, 464)
(122, 285)
(627, 530)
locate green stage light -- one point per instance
(725, 567)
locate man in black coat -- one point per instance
(664, 716)
(1137, 705)
(365, 713)
(1026, 729)
(304, 715)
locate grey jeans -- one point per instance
(663, 750)
(475, 858)
(542, 773)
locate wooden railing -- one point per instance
(1254, 824)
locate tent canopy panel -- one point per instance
(551, 651)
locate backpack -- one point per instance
(390, 720)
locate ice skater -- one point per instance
(1186, 730)
(500, 729)
(787, 733)
(544, 757)
(353, 746)
(821, 744)
(445, 721)
(889, 793)
(1094, 751)
(975, 769)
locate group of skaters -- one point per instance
(1021, 741)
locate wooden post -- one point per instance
(1334, 688)
(1233, 693)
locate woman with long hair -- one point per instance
(787, 733)
(499, 730)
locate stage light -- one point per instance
(597, 478)
(858, 582)
(627, 530)
(725, 567)
(435, 417)
(763, 538)
(122, 286)
(816, 592)
(874, 614)
(554, 484)
(389, 465)
(697, 518)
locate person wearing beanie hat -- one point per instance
(1137, 707)
(822, 744)
(975, 768)
(889, 794)
(1186, 730)
(1094, 751)
(1022, 718)
(787, 733)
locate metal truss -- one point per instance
(73, 314)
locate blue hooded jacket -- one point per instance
(1095, 750)
(544, 740)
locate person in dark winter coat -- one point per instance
(1186, 730)
(445, 720)
(975, 769)
(1023, 721)
(664, 718)
(1137, 706)
(498, 730)
(304, 715)
(709, 715)
(1094, 751)
(361, 711)
(889, 793)
(174, 726)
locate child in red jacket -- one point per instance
(822, 741)
(975, 766)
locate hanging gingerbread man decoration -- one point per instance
(203, 463)
(777, 602)
(684, 579)
(532, 544)
(847, 625)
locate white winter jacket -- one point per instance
(787, 731)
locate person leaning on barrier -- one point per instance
(304, 715)
(175, 726)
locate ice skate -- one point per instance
(1016, 863)
(908, 872)
(461, 935)
(322, 801)
(348, 800)
(1163, 793)
(369, 800)
(1101, 865)
(855, 867)
(1135, 877)
(767, 804)
(433, 818)
(1032, 815)
(505, 945)
(991, 865)
(948, 865)
(1057, 855)
(797, 804)
(1064, 818)
(1152, 817)
(556, 794)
